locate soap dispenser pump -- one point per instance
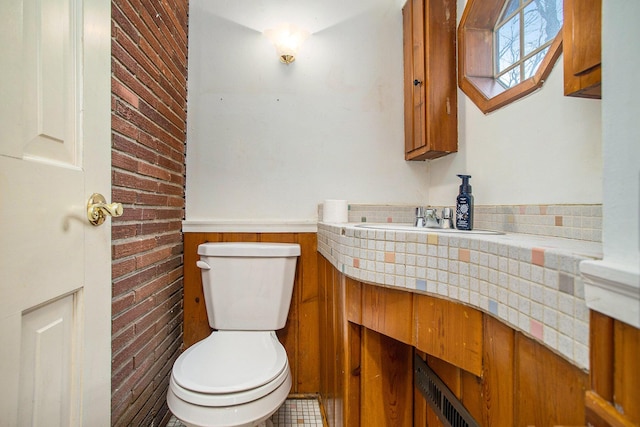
(464, 205)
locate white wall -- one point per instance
(621, 133)
(268, 142)
(612, 285)
(543, 149)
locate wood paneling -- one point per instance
(548, 390)
(300, 336)
(389, 312)
(498, 373)
(519, 382)
(352, 385)
(615, 373)
(387, 381)
(601, 355)
(196, 325)
(449, 331)
(354, 301)
(340, 348)
(626, 370)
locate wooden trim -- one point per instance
(449, 331)
(615, 373)
(389, 312)
(600, 412)
(601, 354)
(626, 370)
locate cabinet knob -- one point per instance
(417, 82)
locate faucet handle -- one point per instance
(420, 221)
(447, 218)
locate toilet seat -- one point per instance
(230, 368)
(229, 399)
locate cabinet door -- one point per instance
(430, 79)
(413, 37)
(582, 34)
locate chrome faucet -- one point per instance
(431, 218)
(447, 218)
(428, 218)
(420, 219)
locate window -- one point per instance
(507, 48)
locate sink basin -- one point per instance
(412, 228)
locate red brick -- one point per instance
(121, 250)
(122, 339)
(149, 66)
(122, 302)
(171, 165)
(124, 127)
(151, 199)
(124, 179)
(160, 227)
(132, 281)
(121, 374)
(124, 161)
(124, 93)
(127, 352)
(123, 195)
(134, 149)
(123, 21)
(177, 214)
(123, 231)
(153, 171)
(131, 315)
(152, 257)
(122, 267)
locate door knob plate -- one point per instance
(98, 209)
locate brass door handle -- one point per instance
(98, 209)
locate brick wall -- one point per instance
(148, 102)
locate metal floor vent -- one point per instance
(444, 403)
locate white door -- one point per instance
(55, 293)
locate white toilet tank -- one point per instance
(248, 286)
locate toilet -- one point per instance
(239, 375)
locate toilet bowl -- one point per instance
(239, 375)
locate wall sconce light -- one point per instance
(287, 39)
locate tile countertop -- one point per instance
(530, 282)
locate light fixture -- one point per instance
(287, 39)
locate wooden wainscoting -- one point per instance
(368, 336)
(300, 336)
(615, 373)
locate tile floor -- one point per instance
(294, 412)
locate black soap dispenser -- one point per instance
(464, 205)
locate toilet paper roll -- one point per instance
(336, 211)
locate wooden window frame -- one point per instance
(475, 58)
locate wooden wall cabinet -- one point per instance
(582, 34)
(430, 87)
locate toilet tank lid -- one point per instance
(249, 249)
